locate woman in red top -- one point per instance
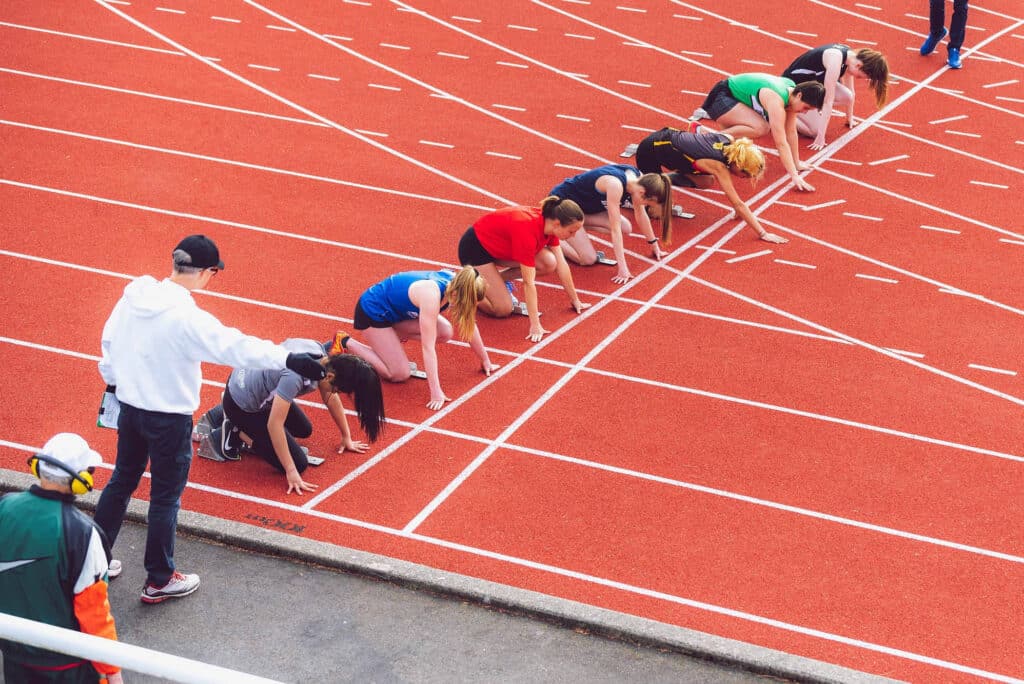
(523, 241)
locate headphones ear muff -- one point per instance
(81, 482)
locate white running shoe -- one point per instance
(114, 569)
(179, 585)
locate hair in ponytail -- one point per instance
(874, 66)
(464, 292)
(355, 376)
(659, 186)
(565, 211)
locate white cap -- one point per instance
(71, 450)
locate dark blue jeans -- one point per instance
(164, 440)
(957, 23)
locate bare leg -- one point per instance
(497, 300)
(383, 350)
(743, 121)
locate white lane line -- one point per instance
(990, 369)
(889, 159)
(880, 279)
(941, 230)
(916, 173)
(78, 36)
(863, 216)
(752, 255)
(452, 55)
(902, 352)
(990, 185)
(1001, 83)
(227, 19)
(167, 98)
(794, 263)
(948, 119)
(502, 155)
(833, 203)
(963, 133)
(437, 144)
(262, 67)
(324, 78)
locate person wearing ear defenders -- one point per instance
(153, 344)
(53, 565)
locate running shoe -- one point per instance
(954, 59)
(230, 441)
(114, 569)
(931, 42)
(179, 585)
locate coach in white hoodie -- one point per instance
(153, 344)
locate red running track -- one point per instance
(812, 447)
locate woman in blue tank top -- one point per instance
(409, 304)
(601, 193)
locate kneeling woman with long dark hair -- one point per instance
(260, 409)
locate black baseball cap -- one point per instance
(201, 251)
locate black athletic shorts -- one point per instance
(719, 100)
(471, 252)
(361, 320)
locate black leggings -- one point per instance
(255, 425)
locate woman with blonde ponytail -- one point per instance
(409, 305)
(836, 66)
(698, 159)
(601, 193)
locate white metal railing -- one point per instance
(125, 656)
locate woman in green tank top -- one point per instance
(754, 105)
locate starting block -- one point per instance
(602, 259)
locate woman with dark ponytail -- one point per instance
(836, 66)
(522, 242)
(601, 194)
(409, 305)
(261, 416)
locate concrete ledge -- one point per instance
(572, 614)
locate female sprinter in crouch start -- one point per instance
(410, 304)
(698, 159)
(523, 241)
